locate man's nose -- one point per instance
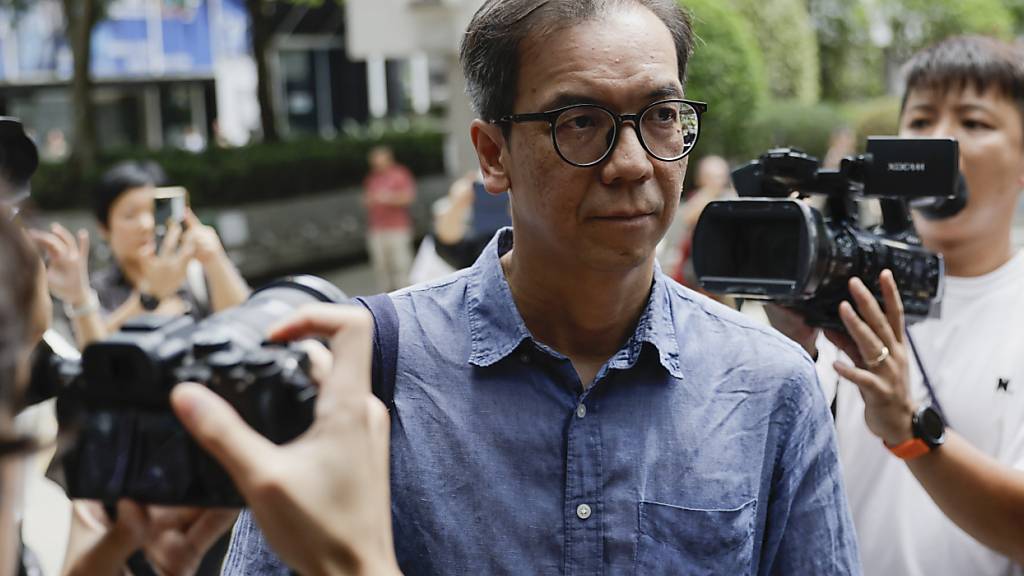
(628, 162)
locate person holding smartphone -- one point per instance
(186, 272)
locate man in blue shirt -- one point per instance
(562, 407)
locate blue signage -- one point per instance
(138, 38)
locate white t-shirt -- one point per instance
(974, 357)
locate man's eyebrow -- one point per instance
(570, 98)
(667, 91)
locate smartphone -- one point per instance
(169, 205)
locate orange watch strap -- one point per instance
(910, 449)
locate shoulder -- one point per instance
(445, 295)
(710, 332)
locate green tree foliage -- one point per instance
(851, 64)
(784, 34)
(915, 24)
(1016, 8)
(727, 72)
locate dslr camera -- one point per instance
(114, 403)
(770, 244)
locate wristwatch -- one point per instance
(929, 431)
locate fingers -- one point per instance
(893, 304)
(65, 236)
(871, 313)
(50, 242)
(171, 239)
(313, 321)
(210, 526)
(351, 331)
(191, 220)
(221, 431)
(83, 244)
(870, 385)
(867, 342)
(320, 359)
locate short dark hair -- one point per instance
(18, 155)
(19, 272)
(490, 47)
(119, 179)
(960, 62)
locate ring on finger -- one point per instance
(882, 355)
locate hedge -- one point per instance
(727, 72)
(222, 177)
(788, 45)
(795, 125)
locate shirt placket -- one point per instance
(583, 507)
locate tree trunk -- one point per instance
(264, 88)
(81, 17)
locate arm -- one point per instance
(450, 223)
(809, 528)
(982, 496)
(320, 513)
(227, 287)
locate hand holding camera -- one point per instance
(165, 271)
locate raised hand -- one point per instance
(875, 342)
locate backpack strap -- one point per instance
(385, 345)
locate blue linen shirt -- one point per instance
(704, 445)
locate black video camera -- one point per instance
(114, 403)
(771, 245)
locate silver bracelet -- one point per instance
(91, 305)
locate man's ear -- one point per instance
(491, 150)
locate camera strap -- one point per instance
(924, 376)
(385, 345)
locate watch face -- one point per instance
(930, 426)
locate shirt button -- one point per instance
(583, 511)
(524, 358)
(581, 410)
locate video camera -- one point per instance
(771, 245)
(115, 402)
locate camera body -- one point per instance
(126, 441)
(771, 245)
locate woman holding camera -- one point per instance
(189, 273)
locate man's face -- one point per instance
(988, 128)
(612, 215)
(130, 226)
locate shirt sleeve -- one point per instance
(810, 530)
(249, 554)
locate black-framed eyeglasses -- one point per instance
(585, 134)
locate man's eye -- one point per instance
(665, 114)
(577, 122)
(976, 125)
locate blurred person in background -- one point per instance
(713, 181)
(468, 219)
(190, 273)
(930, 417)
(388, 191)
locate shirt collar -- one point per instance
(497, 329)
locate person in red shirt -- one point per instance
(389, 189)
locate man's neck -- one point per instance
(582, 313)
(975, 257)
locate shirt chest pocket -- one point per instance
(677, 540)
